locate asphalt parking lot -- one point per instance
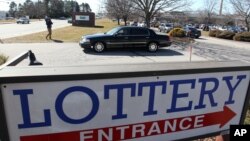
(70, 54)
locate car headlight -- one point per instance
(84, 40)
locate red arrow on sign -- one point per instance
(221, 117)
(139, 130)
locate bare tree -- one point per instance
(126, 9)
(120, 9)
(242, 7)
(113, 10)
(149, 8)
(209, 10)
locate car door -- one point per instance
(139, 37)
(120, 38)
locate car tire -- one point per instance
(152, 47)
(99, 47)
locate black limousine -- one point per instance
(125, 36)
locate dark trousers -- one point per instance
(49, 33)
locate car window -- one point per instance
(123, 32)
(193, 29)
(168, 25)
(112, 31)
(139, 31)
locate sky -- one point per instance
(97, 4)
(94, 4)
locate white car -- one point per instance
(142, 24)
(133, 23)
(23, 20)
(165, 27)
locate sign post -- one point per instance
(129, 102)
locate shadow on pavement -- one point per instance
(98, 26)
(200, 39)
(57, 41)
(133, 52)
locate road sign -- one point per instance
(162, 106)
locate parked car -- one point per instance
(155, 24)
(222, 28)
(125, 36)
(133, 23)
(197, 26)
(202, 26)
(23, 20)
(62, 18)
(142, 24)
(165, 27)
(206, 28)
(235, 29)
(192, 32)
(69, 20)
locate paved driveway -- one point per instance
(12, 30)
(70, 54)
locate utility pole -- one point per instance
(221, 7)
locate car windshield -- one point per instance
(112, 31)
(192, 29)
(22, 18)
(168, 25)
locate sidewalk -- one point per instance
(224, 42)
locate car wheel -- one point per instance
(99, 47)
(152, 47)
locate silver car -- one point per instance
(23, 20)
(165, 27)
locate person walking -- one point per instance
(49, 26)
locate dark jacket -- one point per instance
(48, 22)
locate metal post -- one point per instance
(190, 55)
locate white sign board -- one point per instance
(82, 18)
(140, 109)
